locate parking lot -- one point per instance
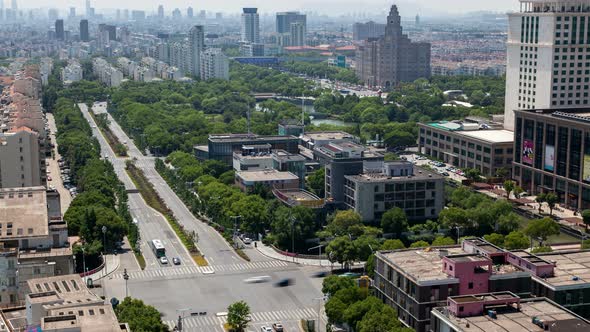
(446, 170)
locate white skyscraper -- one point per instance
(250, 25)
(298, 34)
(548, 53)
(196, 43)
(214, 64)
(14, 5)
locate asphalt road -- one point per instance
(152, 225)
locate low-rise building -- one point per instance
(253, 157)
(414, 281)
(272, 179)
(504, 311)
(468, 145)
(62, 303)
(419, 192)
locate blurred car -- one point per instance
(350, 275)
(321, 274)
(257, 280)
(176, 261)
(445, 174)
(284, 283)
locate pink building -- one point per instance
(473, 272)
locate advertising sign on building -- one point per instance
(586, 171)
(527, 152)
(549, 158)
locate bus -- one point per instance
(158, 248)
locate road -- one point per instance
(180, 290)
(152, 225)
(53, 171)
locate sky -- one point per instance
(407, 7)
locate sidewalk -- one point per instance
(271, 253)
(112, 264)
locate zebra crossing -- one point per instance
(191, 270)
(212, 323)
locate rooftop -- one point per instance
(266, 175)
(494, 136)
(419, 174)
(327, 135)
(572, 268)
(23, 213)
(95, 318)
(532, 316)
(237, 138)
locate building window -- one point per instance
(470, 285)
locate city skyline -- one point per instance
(424, 7)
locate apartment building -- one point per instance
(414, 281)
(468, 145)
(504, 311)
(106, 73)
(385, 185)
(33, 240)
(214, 64)
(552, 153)
(548, 53)
(71, 73)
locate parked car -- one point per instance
(164, 260)
(277, 327)
(247, 240)
(265, 329)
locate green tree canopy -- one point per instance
(139, 316)
(238, 316)
(394, 221)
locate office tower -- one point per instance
(138, 15)
(417, 20)
(126, 14)
(393, 58)
(160, 11)
(250, 25)
(84, 35)
(214, 64)
(176, 14)
(364, 31)
(189, 12)
(285, 19)
(52, 14)
(297, 34)
(72, 12)
(218, 16)
(118, 15)
(196, 44)
(547, 57)
(59, 29)
(203, 15)
(14, 6)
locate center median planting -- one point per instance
(102, 123)
(151, 197)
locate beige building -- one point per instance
(62, 304)
(32, 244)
(22, 162)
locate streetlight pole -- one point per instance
(235, 233)
(126, 277)
(104, 248)
(84, 263)
(293, 237)
(320, 252)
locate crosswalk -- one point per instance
(213, 323)
(191, 270)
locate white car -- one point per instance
(247, 240)
(164, 260)
(257, 280)
(265, 329)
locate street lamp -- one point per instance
(235, 233)
(320, 251)
(104, 247)
(126, 277)
(83, 263)
(293, 220)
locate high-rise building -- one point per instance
(87, 7)
(160, 11)
(417, 21)
(84, 35)
(393, 58)
(196, 43)
(189, 12)
(214, 64)
(59, 29)
(202, 15)
(297, 34)
(285, 19)
(14, 5)
(118, 14)
(138, 15)
(364, 31)
(250, 25)
(547, 57)
(176, 14)
(72, 12)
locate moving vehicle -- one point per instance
(284, 283)
(321, 274)
(247, 240)
(176, 261)
(350, 275)
(277, 327)
(164, 260)
(257, 280)
(158, 248)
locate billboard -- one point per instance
(527, 152)
(549, 158)
(586, 170)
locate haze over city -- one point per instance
(426, 7)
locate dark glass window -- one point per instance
(562, 147)
(518, 139)
(575, 154)
(539, 145)
(550, 148)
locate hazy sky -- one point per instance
(407, 7)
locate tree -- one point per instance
(551, 199)
(586, 244)
(443, 241)
(509, 187)
(381, 319)
(516, 240)
(541, 198)
(283, 230)
(502, 172)
(334, 283)
(541, 249)
(342, 250)
(517, 191)
(419, 244)
(473, 174)
(343, 222)
(394, 221)
(139, 316)
(586, 218)
(365, 246)
(316, 182)
(454, 216)
(237, 316)
(354, 313)
(508, 223)
(392, 244)
(495, 238)
(541, 229)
